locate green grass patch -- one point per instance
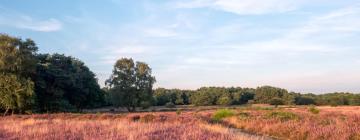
(262, 108)
(283, 116)
(221, 114)
(314, 110)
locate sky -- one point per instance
(301, 45)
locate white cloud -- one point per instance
(344, 20)
(22, 21)
(48, 25)
(244, 7)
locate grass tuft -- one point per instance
(221, 114)
(283, 116)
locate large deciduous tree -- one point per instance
(64, 83)
(17, 67)
(15, 93)
(131, 84)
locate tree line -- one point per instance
(260, 95)
(31, 82)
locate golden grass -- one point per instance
(165, 126)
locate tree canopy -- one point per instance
(131, 84)
(64, 83)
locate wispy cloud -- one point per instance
(21, 21)
(244, 7)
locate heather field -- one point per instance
(134, 126)
(296, 123)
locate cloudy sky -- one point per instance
(301, 45)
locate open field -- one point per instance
(298, 123)
(134, 126)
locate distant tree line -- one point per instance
(262, 95)
(46, 83)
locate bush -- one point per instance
(147, 118)
(262, 108)
(145, 104)
(224, 101)
(178, 112)
(304, 101)
(170, 105)
(276, 101)
(283, 116)
(134, 118)
(221, 114)
(314, 110)
(243, 115)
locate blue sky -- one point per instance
(300, 45)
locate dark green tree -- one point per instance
(276, 101)
(130, 84)
(265, 93)
(64, 83)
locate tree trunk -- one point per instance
(6, 111)
(131, 108)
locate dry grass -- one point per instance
(161, 126)
(296, 123)
(330, 124)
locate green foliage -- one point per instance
(314, 110)
(266, 93)
(130, 84)
(17, 56)
(15, 93)
(225, 100)
(243, 115)
(176, 96)
(262, 108)
(170, 105)
(283, 116)
(276, 101)
(304, 100)
(17, 65)
(221, 114)
(209, 96)
(64, 83)
(145, 104)
(243, 96)
(355, 100)
(178, 112)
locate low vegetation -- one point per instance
(299, 123)
(159, 126)
(281, 115)
(221, 114)
(314, 110)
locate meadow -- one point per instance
(235, 123)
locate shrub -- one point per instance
(283, 116)
(147, 118)
(178, 112)
(145, 104)
(276, 101)
(170, 105)
(243, 115)
(224, 101)
(314, 110)
(223, 113)
(262, 108)
(134, 118)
